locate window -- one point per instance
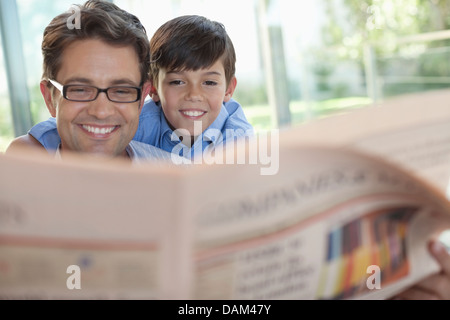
(33, 17)
(296, 60)
(6, 128)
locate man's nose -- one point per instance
(101, 107)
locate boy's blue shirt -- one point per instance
(153, 129)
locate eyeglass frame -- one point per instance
(63, 90)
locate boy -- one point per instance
(193, 74)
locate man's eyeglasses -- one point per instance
(85, 93)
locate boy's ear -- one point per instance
(154, 93)
(230, 90)
(48, 97)
(146, 88)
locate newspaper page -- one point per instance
(329, 225)
(85, 229)
(410, 130)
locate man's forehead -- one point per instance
(92, 60)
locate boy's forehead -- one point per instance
(215, 67)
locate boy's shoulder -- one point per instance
(232, 106)
(150, 109)
(26, 142)
(46, 133)
(236, 117)
(149, 128)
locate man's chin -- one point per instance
(101, 152)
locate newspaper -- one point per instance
(342, 218)
(409, 130)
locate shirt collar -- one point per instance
(209, 136)
(129, 151)
(165, 128)
(58, 152)
(217, 125)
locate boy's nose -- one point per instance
(194, 93)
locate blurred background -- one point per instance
(296, 60)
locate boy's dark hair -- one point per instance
(191, 42)
(98, 20)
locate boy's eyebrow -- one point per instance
(212, 73)
(208, 73)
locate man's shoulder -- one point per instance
(146, 151)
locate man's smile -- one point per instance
(98, 130)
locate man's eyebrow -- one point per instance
(115, 82)
(78, 80)
(124, 81)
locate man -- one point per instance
(95, 81)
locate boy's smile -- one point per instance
(193, 114)
(187, 96)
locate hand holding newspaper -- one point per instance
(348, 215)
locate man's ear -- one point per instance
(146, 87)
(154, 93)
(48, 97)
(230, 90)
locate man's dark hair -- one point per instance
(98, 20)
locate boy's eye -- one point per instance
(176, 82)
(211, 83)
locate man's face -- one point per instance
(100, 126)
(189, 96)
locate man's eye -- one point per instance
(78, 89)
(122, 90)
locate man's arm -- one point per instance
(25, 142)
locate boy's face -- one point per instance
(190, 96)
(100, 126)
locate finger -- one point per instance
(440, 253)
(437, 285)
(416, 293)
